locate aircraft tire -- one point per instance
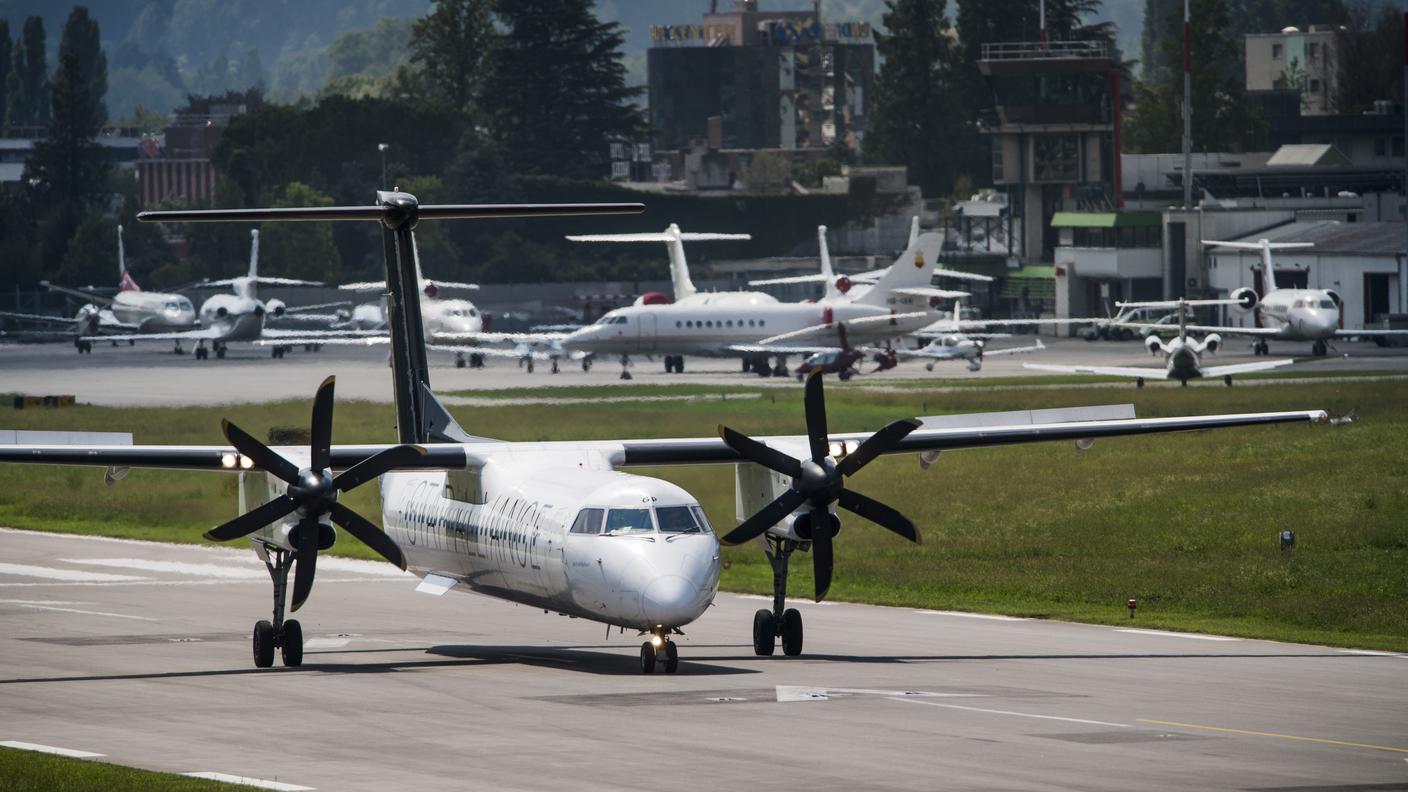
(845, 374)
(764, 633)
(1139, 382)
(791, 632)
(672, 657)
(292, 649)
(220, 353)
(679, 364)
(647, 658)
(263, 643)
(1227, 380)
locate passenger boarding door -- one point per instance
(647, 331)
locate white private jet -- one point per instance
(131, 310)
(1182, 355)
(1288, 314)
(239, 315)
(554, 525)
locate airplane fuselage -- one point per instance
(1183, 359)
(234, 317)
(1300, 314)
(153, 311)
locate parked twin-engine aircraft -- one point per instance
(131, 310)
(239, 315)
(1182, 355)
(553, 525)
(1288, 314)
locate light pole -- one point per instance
(382, 147)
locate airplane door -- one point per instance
(647, 329)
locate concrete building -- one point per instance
(121, 146)
(177, 167)
(1303, 62)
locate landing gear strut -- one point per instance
(1260, 347)
(769, 625)
(287, 636)
(1319, 349)
(625, 373)
(659, 649)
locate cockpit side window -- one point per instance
(588, 521)
(1327, 304)
(677, 519)
(698, 512)
(628, 521)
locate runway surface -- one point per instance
(149, 374)
(140, 652)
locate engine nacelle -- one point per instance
(276, 307)
(843, 284)
(283, 536)
(222, 312)
(1212, 343)
(1335, 297)
(1246, 298)
(1154, 344)
(802, 526)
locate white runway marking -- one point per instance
(1372, 653)
(1167, 634)
(175, 567)
(250, 782)
(1014, 714)
(788, 693)
(150, 582)
(86, 612)
(313, 644)
(49, 749)
(72, 575)
(965, 615)
(41, 602)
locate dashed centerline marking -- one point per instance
(85, 612)
(250, 782)
(1298, 738)
(71, 575)
(49, 749)
(1014, 714)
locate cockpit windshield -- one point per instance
(679, 519)
(667, 520)
(1327, 304)
(628, 521)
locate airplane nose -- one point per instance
(670, 600)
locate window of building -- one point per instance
(1276, 51)
(1315, 86)
(1314, 49)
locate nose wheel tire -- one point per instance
(292, 648)
(791, 632)
(672, 657)
(647, 658)
(764, 633)
(263, 643)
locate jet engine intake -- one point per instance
(1246, 298)
(1154, 344)
(1212, 343)
(276, 307)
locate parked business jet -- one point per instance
(1288, 314)
(683, 285)
(1182, 355)
(237, 316)
(553, 525)
(131, 310)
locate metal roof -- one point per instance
(1306, 154)
(1337, 238)
(1105, 219)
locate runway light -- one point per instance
(227, 460)
(1132, 605)
(656, 641)
(245, 462)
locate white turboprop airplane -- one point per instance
(555, 525)
(1182, 356)
(239, 315)
(898, 304)
(131, 310)
(1288, 314)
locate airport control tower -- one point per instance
(1054, 124)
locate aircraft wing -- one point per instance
(1269, 332)
(364, 286)
(501, 338)
(314, 336)
(86, 295)
(930, 291)
(444, 284)
(1037, 347)
(65, 320)
(1370, 332)
(198, 334)
(503, 352)
(303, 310)
(343, 338)
(773, 349)
(818, 278)
(960, 275)
(864, 321)
(1111, 371)
(1244, 368)
(211, 458)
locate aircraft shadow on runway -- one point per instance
(593, 660)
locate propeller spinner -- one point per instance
(820, 481)
(312, 492)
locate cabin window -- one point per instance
(730, 323)
(628, 521)
(677, 519)
(678, 324)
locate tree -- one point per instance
(300, 250)
(68, 163)
(1369, 54)
(556, 94)
(1222, 121)
(447, 50)
(914, 122)
(26, 90)
(5, 63)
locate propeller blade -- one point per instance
(371, 536)
(263, 456)
(321, 444)
(877, 444)
(878, 513)
(307, 561)
(766, 518)
(253, 520)
(375, 465)
(823, 560)
(764, 455)
(815, 404)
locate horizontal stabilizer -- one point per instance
(1262, 245)
(660, 236)
(1173, 304)
(390, 212)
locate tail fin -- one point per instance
(398, 213)
(828, 272)
(1263, 246)
(679, 265)
(124, 278)
(913, 231)
(674, 240)
(914, 267)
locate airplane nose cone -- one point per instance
(670, 600)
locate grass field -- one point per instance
(1187, 524)
(27, 771)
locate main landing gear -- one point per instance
(674, 364)
(769, 625)
(286, 636)
(1260, 348)
(178, 350)
(625, 367)
(659, 649)
(1320, 349)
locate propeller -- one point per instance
(819, 481)
(312, 492)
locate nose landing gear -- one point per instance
(659, 649)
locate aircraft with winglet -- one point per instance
(559, 525)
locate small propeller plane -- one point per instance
(1182, 355)
(560, 526)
